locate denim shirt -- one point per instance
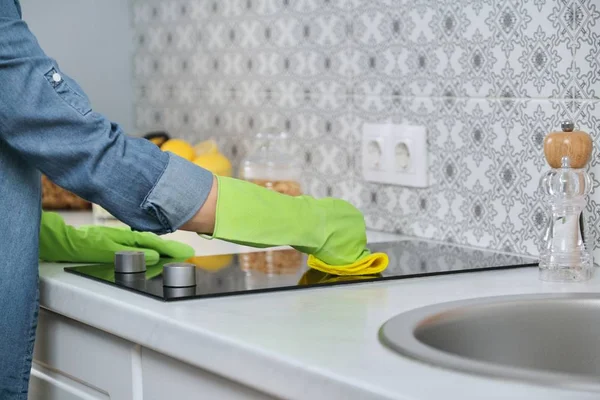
(47, 120)
(47, 124)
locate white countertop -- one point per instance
(315, 343)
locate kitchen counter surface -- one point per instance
(309, 344)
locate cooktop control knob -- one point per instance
(179, 275)
(178, 292)
(130, 262)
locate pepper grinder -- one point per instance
(565, 254)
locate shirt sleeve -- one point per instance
(47, 119)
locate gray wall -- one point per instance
(92, 42)
(487, 78)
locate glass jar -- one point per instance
(272, 164)
(272, 268)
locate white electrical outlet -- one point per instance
(395, 154)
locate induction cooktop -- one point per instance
(277, 270)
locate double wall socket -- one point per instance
(395, 154)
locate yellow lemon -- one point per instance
(157, 141)
(158, 137)
(207, 147)
(217, 163)
(179, 147)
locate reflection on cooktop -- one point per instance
(286, 269)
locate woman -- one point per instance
(48, 125)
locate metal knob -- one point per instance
(567, 126)
(130, 262)
(179, 275)
(178, 292)
(134, 281)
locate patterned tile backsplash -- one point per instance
(488, 78)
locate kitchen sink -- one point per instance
(544, 339)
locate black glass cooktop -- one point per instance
(286, 270)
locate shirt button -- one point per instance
(56, 77)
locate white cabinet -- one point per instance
(46, 384)
(73, 361)
(71, 356)
(167, 378)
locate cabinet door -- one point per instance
(46, 384)
(79, 353)
(167, 378)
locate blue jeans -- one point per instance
(47, 124)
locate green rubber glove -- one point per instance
(329, 229)
(60, 242)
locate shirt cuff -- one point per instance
(179, 193)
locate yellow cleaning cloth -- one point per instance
(370, 265)
(313, 277)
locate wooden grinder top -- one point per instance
(577, 145)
